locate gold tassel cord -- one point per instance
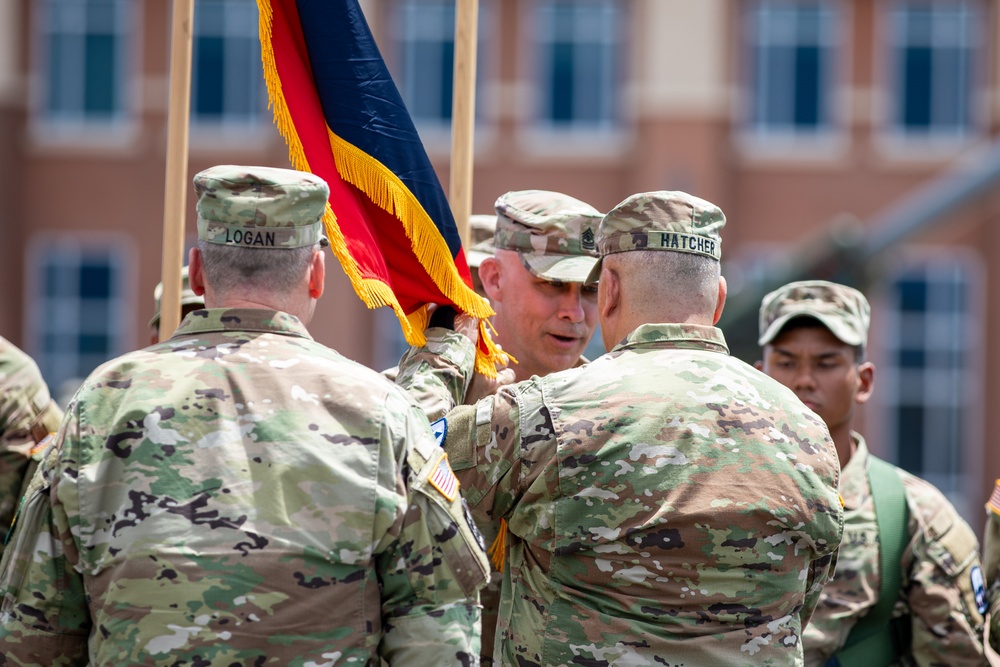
(498, 550)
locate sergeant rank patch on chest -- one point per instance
(443, 479)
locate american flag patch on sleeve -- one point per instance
(994, 503)
(443, 479)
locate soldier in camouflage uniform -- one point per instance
(189, 302)
(542, 251)
(814, 335)
(531, 266)
(667, 504)
(240, 494)
(991, 561)
(27, 416)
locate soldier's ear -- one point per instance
(196, 272)
(721, 303)
(489, 274)
(317, 275)
(866, 382)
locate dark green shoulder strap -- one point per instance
(873, 641)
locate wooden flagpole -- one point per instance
(463, 115)
(175, 195)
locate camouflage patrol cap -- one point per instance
(481, 231)
(260, 207)
(553, 233)
(841, 309)
(663, 220)
(188, 297)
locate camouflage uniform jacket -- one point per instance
(436, 377)
(241, 494)
(666, 504)
(991, 561)
(936, 571)
(27, 416)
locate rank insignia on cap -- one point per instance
(994, 502)
(444, 480)
(979, 588)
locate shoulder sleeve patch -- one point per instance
(440, 430)
(994, 503)
(444, 480)
(979, 589)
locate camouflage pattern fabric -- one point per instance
(666, 503)
(433, 377)
(937, 573)
(991, 561)
(554, 234)
(673, 221)
(242, 495)
(841, 309)
(430, 373)
(27, 415)
(262, 207)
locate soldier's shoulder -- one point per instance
(936, 521)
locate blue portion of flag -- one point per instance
(372, 116)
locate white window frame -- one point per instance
(604, 137)
(76, 126)
(760, 138)
(410, 23)
(65, 314)
(938, 141)
(235, 20)
(960, 389)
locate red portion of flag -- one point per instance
(339, 111)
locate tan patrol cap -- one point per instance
(663, 220)
(841, 309)
(553, 233)
(188, 297)
(260, 207)
(482, 227)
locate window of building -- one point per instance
(934, 49)
(928, 374)
(579, 63)
(77, 313)
(791, 76)
(424, 35)
(85, 59)
(227, 83)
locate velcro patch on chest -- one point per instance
(443, 479)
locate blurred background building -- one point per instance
(846, 139)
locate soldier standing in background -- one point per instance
(27, 416)
(189, 301)
(240, 493)
(908, 589)
(665, 503)
(531, 266)
(991, 561)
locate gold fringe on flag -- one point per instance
(389, 193)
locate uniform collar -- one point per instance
(682, 336)
(242, 320)
(854, 488)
